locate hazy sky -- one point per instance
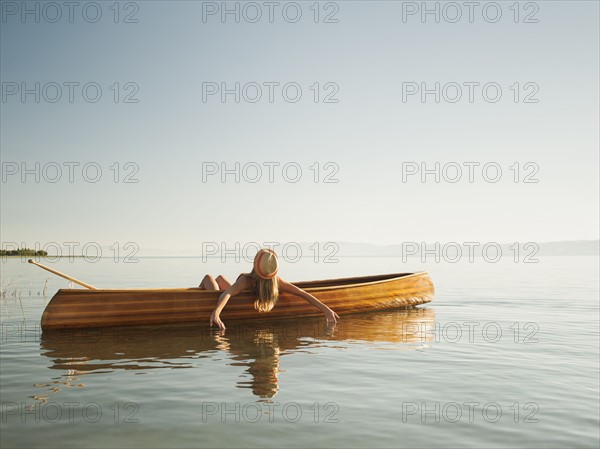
(365, 55)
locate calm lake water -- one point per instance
(507, 355)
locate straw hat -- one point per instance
(266, 264)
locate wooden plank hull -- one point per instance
(134, 307)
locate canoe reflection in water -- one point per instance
(257, 346)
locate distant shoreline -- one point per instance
(342, 256)
(340, 249)
(47, 257)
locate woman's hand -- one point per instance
(331, 316)
(215, 318)
(237, 287)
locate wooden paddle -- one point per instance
(58, 273)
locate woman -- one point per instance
(265, 283)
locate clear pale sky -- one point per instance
(369, 133)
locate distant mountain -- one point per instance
(575, 248)
(564, 248)
(408, 249)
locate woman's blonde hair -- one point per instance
(267, 292)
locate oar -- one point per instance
(58, 273)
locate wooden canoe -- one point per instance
(77, 308)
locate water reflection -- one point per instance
(258, 347)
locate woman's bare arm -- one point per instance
(237, 287)
(288, 287)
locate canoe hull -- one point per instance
(78, 308)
